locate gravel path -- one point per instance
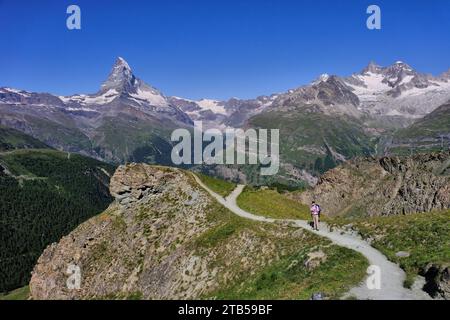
(392, 276)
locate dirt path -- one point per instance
(392, 276)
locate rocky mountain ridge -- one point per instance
(376, 91)
(398, 90)
(385, 186)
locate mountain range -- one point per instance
(321, 124)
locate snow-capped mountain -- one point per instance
(398, 90)
(395, 92)
(327, 94)
(122, 84)
(114, 124)
(212, 112)
(219, 114)
(21, 97)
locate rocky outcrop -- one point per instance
(132, 244)
(164, 237)
(437, 279)
(315, 259)
(386, 186)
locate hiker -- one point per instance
(315, 214)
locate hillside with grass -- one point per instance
(432, 125)
(22, 293)
(44, 194)
(220, 186)
(11, 139)
(272, 204)
(431, 133)
(165, 237)
(419, 243)
(314, 141)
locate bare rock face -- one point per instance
(437, 279)
(163, 237)
(444, 282)
(131, 183)
(132, 248)
(386, 186)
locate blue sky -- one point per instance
(215, 49)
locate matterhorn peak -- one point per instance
(122, 63)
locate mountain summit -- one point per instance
(372, 67)
(398, 90)
(122, 83)
(392, 75)
(121, 78)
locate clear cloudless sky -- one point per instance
(214, 48)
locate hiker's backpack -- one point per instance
(319, 209)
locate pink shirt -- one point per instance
(314, 209)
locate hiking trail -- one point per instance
(392, 276)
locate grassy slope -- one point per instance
(270, 203)
(49, 196)
(12, 139)
(288, 279)
(18, 294)
(425, 133)
(64, 133)
(143, 141)
(437, 122)
(426, 236)
(222, 187)
(283, 278)
(281, 181)
(313, 129)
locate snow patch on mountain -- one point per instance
(11, 90)
(371, 85)
(322, 78)
(398, 90)
(150, 96)
(213, 105)
(83, 99)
